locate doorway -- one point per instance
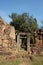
(24, 43)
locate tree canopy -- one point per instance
(23, 22)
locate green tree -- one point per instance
(24, 22)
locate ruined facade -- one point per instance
(8, 38)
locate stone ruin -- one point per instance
(7, 36)
(38, 35)
(38, 40)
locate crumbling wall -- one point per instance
(38, 42)
(7, 36)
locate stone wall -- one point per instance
(39, 38)
(7, 36)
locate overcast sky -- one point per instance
(33, 7)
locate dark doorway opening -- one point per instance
(24, 43)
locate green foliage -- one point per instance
(24, 22)
(31, 39)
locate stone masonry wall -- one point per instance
(7, 36)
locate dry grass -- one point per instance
(21, 58)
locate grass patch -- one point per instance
(37, 60)
(10, 62)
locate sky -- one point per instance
(33, 7)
